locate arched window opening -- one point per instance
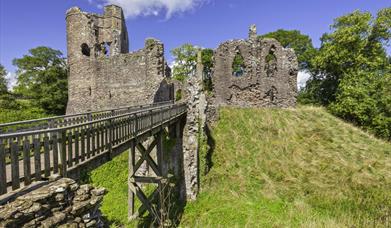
(85, 50)
(178, 95)
(271, 63)
(238, 67)
(106, 47)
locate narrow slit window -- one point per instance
(271, 63)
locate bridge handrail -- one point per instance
(35, 154)
(86, 114)
(49, 130)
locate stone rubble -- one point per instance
(62, 203)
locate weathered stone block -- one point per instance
(41, 207)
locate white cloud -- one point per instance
(134, 8)
(302, 78)
(11, 79)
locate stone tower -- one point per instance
(95, 35)
(102, 74)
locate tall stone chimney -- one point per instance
(252, 32)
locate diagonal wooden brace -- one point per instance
(144, 152)
(148, 158)
(144, 199)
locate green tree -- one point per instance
(356, 42)
(7, 100)
(364, 98)
(352, 73)
(3, 81)
(302, 44)
(207, 62)
(42, 77)
(185, 61)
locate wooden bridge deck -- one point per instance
(70, 144)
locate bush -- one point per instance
(9, 115)
(364, 99)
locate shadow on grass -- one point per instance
(173, 220)
(211, 147)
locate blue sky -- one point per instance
(25, 24)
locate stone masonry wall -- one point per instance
(62, 203)
(195, 123)
(102, 74)
(269, 73)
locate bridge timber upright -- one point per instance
(32, 151)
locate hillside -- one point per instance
(295, 167)
(279, 167)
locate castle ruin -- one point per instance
(102, 74)
(254, 72)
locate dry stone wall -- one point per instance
(62, 203)
(102, 74)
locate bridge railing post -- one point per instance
(63, 149)
(135, 125)
(111, 134)
(161, 116)
(151, 119)
(131, 164)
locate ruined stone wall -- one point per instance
(268, 77)
(102, 74)
(194, 127)
(62, 203)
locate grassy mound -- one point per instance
(292, 167)
(279, 167)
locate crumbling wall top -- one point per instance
(254, 72)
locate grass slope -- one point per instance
(113, 176)
(292, 167)
(278, 167)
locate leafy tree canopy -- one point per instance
(185, 61)
(302, 44)
(356, 42)
(3, 80)
(352, 72)
(42, 77)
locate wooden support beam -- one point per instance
(143, 198)
(131, 172)
(149, 159)
(149, 180)
(143, 154)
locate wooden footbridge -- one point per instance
(34, 150)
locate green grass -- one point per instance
(278, 168)
(113, 176)
(292, 167)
